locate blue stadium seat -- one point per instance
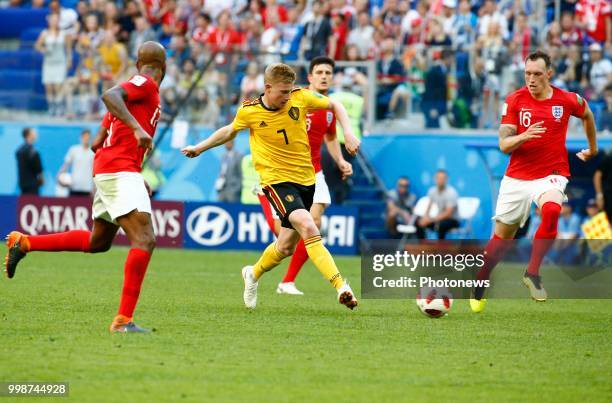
(23, 59)
(28, 37)
(15, 20)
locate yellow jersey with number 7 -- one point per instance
(278, 137)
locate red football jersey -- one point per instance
(318, 123)
(120, 151)
(547, 155)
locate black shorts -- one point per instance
(287, 197)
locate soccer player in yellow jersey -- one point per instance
(281, 154)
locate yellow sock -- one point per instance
(270, 258)
(324, 261)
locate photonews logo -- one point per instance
(210, 226)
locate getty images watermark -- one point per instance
(404, 260)
(393, 269)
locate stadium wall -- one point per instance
(473, 161)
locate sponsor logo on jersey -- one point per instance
(290, 198)
(294, 113)
(263, 124)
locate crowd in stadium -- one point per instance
(452, 58)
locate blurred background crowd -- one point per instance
(418, 63)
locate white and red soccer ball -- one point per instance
(434, 302)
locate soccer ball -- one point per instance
(434, 302)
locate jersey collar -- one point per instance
(265, 107)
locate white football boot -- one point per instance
(288, 288)
(346, 296)
(250, 287)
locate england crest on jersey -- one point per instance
(557, 112)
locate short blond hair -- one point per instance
(279, 73)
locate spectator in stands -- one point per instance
(400, 203)
(464, 26)
(127, 20)
(434, 104)
(270, 44)
(602, 181)
(413, 18)
(594, 16)
(362, 36)
(600, 70)
(490, 15)
(339, 36)
(571, 71)
(591, 211)
(29, 165)
(291, 35)
(565, 250)
(495, 56)
(273, 14)
(553, 35)
(570, 34)
(56, 48)
(178, 50)
(606, 115)
(114, 61)
(252, 84)
(229, 182)
(68, 18)
(445, 198)
(569, 223)
(110, 18)
(523, 38)
(436, 35)
(390, 74)
(142, 33)
(202, 30)
(79, 163)
(223, 39)
(448, 16)
(317, 33)
(87, 74)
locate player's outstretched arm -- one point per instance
(510, 141)
(351, 142)
(221, 136)
(114, 99)
(588, 121)
(333, 146)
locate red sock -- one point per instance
(494, 252)
(300, 256)
(544, 236)
(267, 210)
(135, 269)
(76, 241)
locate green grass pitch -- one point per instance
(54, 318)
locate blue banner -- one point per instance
(239, 226)
(8, 218)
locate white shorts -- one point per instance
(321, 194)
(119, 193)
(516, 195)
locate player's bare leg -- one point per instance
(139, 230)
(299, 257)
(494, 251)
(305, 225)
(550, 206)
(19, 244)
